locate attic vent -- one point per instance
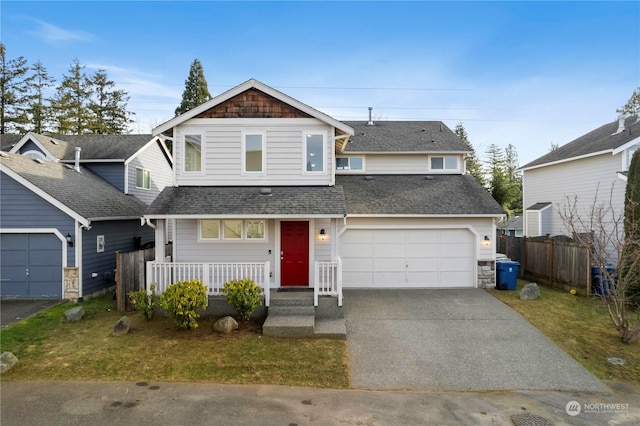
(368, 178)
(430, 178)
(39, 161)
(265, 191)
(67, 166)
(3, 154)
(433, 141)
(53, 141)
(370, 122)
(441, 129)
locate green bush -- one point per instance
(145, 302)
(244, 295)
(180, 300)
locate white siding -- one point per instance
(400, 164)
(284, 152)
(152, 159)
(592, 179)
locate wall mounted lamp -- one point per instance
(486, 242)
(69, 240)
(323, 234)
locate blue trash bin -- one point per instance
(599, 280)
(507, 274)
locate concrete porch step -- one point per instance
(331, 328)
(292, 298)
(278, 310)
(289, 326)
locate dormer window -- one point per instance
(314, 145)
(355, 164)
(446, 162)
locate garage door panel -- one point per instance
(408, 258)
(12, 257)
(44, 242)
(13, 242)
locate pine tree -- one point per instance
(14, 85)
(514, 178)
(196, 91)
(108, 106)
(38, 109)
(70, 103)
(630, 268)
(632, 107)
(505, 185)
(473, 166)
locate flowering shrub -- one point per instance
(244, 295)
(180, 300)
(145, 301)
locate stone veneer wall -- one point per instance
(486, 274)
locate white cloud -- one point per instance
(54, 35)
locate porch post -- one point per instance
(160, 242)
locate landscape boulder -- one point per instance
(530, 291)
(7, 361)
(74, 314)
(122, 326)
(225, 325)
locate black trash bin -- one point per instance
(507, 274)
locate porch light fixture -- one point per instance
(323, 234)
(486, 242)
(69, 240)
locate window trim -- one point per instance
(306, 134)
(202, 238)
(243, 235)
(350, 170)
(148, 172)
(444, 163)
(183, 143)
(263, 135)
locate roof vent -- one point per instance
(53, 141)
(433, 141)
(265, 191)
(38, 160)
(3, 154)
(370, 123)
(368, 178)
(430, 178)
(621, 118)
(76, 167)
(441, 129)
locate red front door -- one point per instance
(294, 253)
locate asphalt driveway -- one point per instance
(14, 310)
(460, 340)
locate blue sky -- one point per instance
(523, 73)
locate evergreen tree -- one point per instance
(629, 270)
(473, 166)
(38, 111)
(632, 107)
(514, 178)
(108, 106)
(504, 184)
(70, 103)
(14, 85)
(196, 91)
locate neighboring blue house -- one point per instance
(57, 215)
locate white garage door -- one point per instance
(386, 258)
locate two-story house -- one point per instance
(72, 202)
(587, 172)
(270, 188)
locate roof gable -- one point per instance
(220, 105)
(603, 140)
(253, 103)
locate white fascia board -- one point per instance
(407, 152)
(106, 219)
(429, 216)
(31, 137)
(566, 160)
(622, 176)
(626, 145)
(252, 83)
(242, 216)
(98, 160)
(42, 194)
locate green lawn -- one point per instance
(581, 327)
(49, 348)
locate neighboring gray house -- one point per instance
(53, 216)
(511, 227)
(590, 169)
(270, 188)
(139, 165)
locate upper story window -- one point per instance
(253, 150)
(629, 155)
(447, 162)
(143, 178)
(314, 146)
(350, 163)
(192, 149)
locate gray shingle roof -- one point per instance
(94, 147)
(538, 206)
(85, 193)
(416, 194)
(600, 139)
(515, 223)
(8, 141)
(283, 201)
(403, 136)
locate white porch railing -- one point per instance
(213, 275)
(328, 280)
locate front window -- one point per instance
(254, 229)
(254, 153)
(192, 153)
(210, 229)
(143, 178)
(314, 147)
(350, 163)
(444, 163)
(232, 229)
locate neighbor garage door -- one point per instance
(384, 258)
(30, 266)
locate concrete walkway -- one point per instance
(453, 340)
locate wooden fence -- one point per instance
(562, 265)
(130, 273)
